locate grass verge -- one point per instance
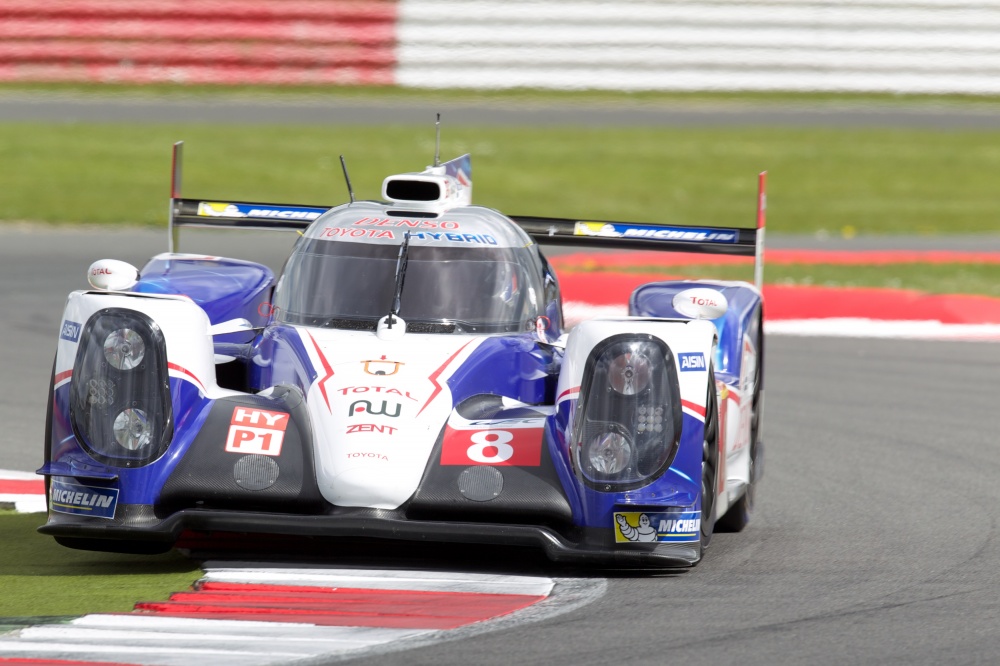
(507, 96)
(836, 181)
(41, 578)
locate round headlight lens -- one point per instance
(609, 453)
(132, 429)
(124, 349)
(629, 373)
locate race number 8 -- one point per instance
(491, 446)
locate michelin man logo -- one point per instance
(643, 532)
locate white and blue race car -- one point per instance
(408, 377)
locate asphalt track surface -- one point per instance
(64, 107)
(874, 541)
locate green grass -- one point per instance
(519, 96)
(38, 577)
(832, 180)
(982, 279)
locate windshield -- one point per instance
(350, 285)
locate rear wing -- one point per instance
(736, 241)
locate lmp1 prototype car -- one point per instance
(408, 377)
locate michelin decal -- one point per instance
(66, 497)
(666, 527)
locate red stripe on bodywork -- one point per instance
(187, 373)
(22, 487)
(567, 393)
(404, 609)
(326, 368)
(697, 409)
(437, 373)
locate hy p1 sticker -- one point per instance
(520, 447)
(693, 361)
(256, 431)
(660, 527)
(66, 497)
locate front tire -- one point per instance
(709, 464)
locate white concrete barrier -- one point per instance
(905, 46)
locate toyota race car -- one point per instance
(409, 376)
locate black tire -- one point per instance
(738, 515)
(709, 464)
(47, 445)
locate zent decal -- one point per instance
(370, 427)
(256, 431)
(66, 497)
(520, 447)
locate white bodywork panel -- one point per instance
(374, 433)
(184, 325)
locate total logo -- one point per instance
(364, 407)
(376, 389)
(256, 431)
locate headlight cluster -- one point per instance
(628, 421)
(120, 390)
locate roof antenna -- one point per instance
(437, 141)
(350, 188)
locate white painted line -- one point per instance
(161, 656)
(378, 579)
(25, 503)
(873, 328)
(13, 475)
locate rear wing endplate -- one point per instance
(548, 230)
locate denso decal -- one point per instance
(66, 497)
(482, 239)
(693, 361)
(672, 526)
(364, 407)
(409, 224)
(520, 447)
(381, 367)
(256, 431)
(70, 331)
(376, 389)
(370, 427)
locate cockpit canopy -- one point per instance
(469, 270)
